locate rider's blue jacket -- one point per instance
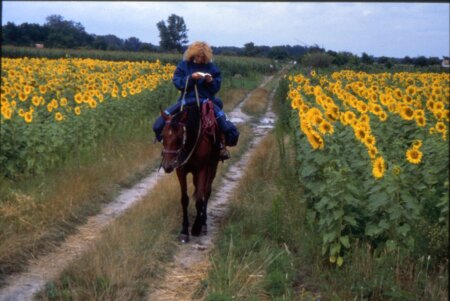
(205, 90)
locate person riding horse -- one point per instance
(196, 76)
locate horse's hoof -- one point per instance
(184, 238)
(204, 229)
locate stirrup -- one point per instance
(224, 154)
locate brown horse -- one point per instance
(191, 147)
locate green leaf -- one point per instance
(345, 241)
(337, 214)
(335, 249)
(404, 230)
(308, 170)
(383, 224)
(378, 200)
(350, 219)
(372, 230)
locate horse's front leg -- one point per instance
(208, 189)
(184, 234)
(200, 203)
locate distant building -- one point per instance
(445, 64)
(39, 46)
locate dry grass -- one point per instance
(257, 103)
(40, 212)
(232, 98)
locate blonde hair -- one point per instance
(198, 48)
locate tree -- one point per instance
(420, 61)
(173, 35)
(250, 49)
(277, 53)
(367, 59)
(407, 60)
(66, 34)
(132, 44)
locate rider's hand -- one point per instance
(196, 76)
(208, 78)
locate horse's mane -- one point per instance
(192, 127)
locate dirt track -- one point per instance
(191, 262)
(24, 285)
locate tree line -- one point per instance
(60, 33)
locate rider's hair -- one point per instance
(198, 48)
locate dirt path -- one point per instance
(23, 286)
(191, 263)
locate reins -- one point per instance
(178, 151)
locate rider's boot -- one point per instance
(224, 154)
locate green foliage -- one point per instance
(317, 60)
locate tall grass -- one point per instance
(130, 257)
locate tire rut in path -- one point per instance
(22, 286)
(191, 262)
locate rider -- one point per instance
(197, 59)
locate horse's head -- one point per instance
(174, 139)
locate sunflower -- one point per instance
(439, 106)
(406, 113)
(362, 107)
(36, 100)
(315, 140)
(396, 170)
(28, 117)
(78, 98)
(325, 127)
(77, 110)
(378, 167)
(370, 141)
(360, 134)
(23, 96)
(421, 121)
(92, 103)
(42, 89)
(28, 89)
(349, 117)
(417, 144)
(441, 127)
(63, 102)
(58, 116)
(414, 155)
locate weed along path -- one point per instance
(22, 286)
(191, 263)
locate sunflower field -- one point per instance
(53, 109)
(372, 153)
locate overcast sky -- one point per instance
(379, 29)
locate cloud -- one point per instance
(390, 29)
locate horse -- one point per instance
(190, 145)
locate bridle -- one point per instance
(178, 151)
